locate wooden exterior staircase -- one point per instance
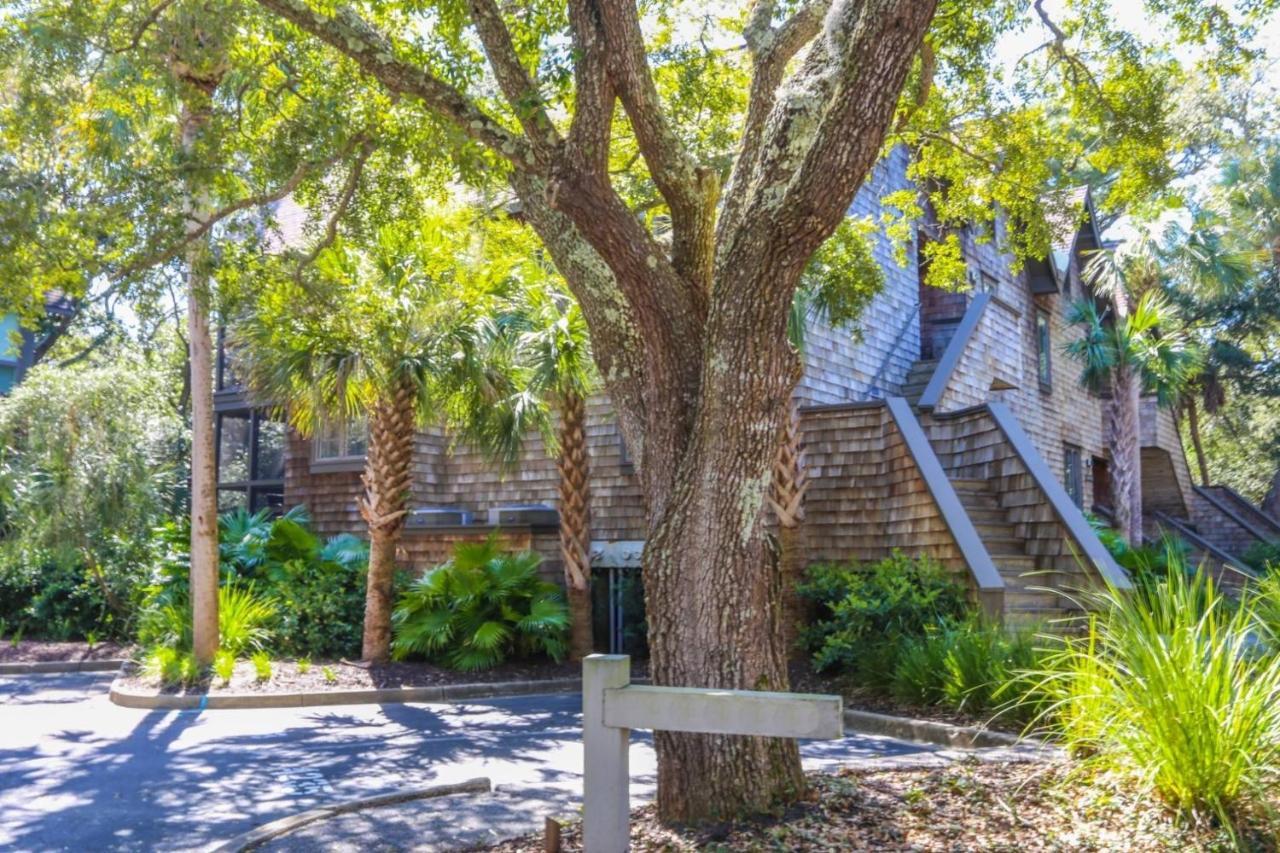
(918, 379)
(1029, 597)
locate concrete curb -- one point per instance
(930, 731)
(372, 696)
(276, 828)
(60, 666)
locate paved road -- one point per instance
(79, 773)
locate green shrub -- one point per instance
(171, 666)
(304, 666)
(865, 611)
(1169, 688)
(480, 608)
(330, 676)
(261, 665)
(1263, 556)
(317, 587)
(1146, 563)
(244, 619)
(971, 665)
(224, 666)
(90, 463)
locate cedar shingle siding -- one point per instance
(867, 497)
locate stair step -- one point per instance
(1001, 546)
(994, 529)
(986, 515)
(969, 484)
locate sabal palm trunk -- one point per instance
(386, 479)
(1123, 416)
(574, 467)
(786, 497)
(1193, 427)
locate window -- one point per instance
(1044, 364)
(250, 460)
(340, 441)
(1073, 474)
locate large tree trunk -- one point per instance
(575, 521)
(204, 474)
(386, 479)
(1123, 419)
(1197, 445)
(790, 482)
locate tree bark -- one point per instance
(1193, 427)
(1124, 419)
(575, 521)
(386, 478)
(690, 338)
(204, 474)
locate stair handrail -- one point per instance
(1210, 494)
(986, 576)
(955, 349)
(1070, 515)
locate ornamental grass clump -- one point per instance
(1171, 687)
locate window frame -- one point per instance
(346, 461)
(1044, 350)
(252, 487)
(1073, 472)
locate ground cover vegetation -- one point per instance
(678, 168)
(1171, 689)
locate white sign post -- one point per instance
(612, 706)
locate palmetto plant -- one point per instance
(481, 607)
(382, 333)
(1130, 346)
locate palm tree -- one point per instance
(386, 335)
(1130, 346)
(538, 353)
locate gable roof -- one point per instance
(1069, 213)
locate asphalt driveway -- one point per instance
(79, 773)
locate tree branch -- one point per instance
(691, 191)
(340, 209)
(373, 51)
(771, 50)
(168, 253)
(589, 131)
(519, 88)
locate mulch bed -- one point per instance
(970, 807)
(40, 651)
(288, 677)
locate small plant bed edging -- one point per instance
(1028, 807)
(35, 656)
(292, 684)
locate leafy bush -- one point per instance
(171, 666)
(865, 611)
(261, 665)
(971, 665)
(1170, 688)
(480, 608)
(1263, 556)
(244, 619)
(90, 462)
(1146, 563)
(224, 666)
(316, 588)
(319, 586)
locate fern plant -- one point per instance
(479, 608)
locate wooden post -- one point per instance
(606, 777)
